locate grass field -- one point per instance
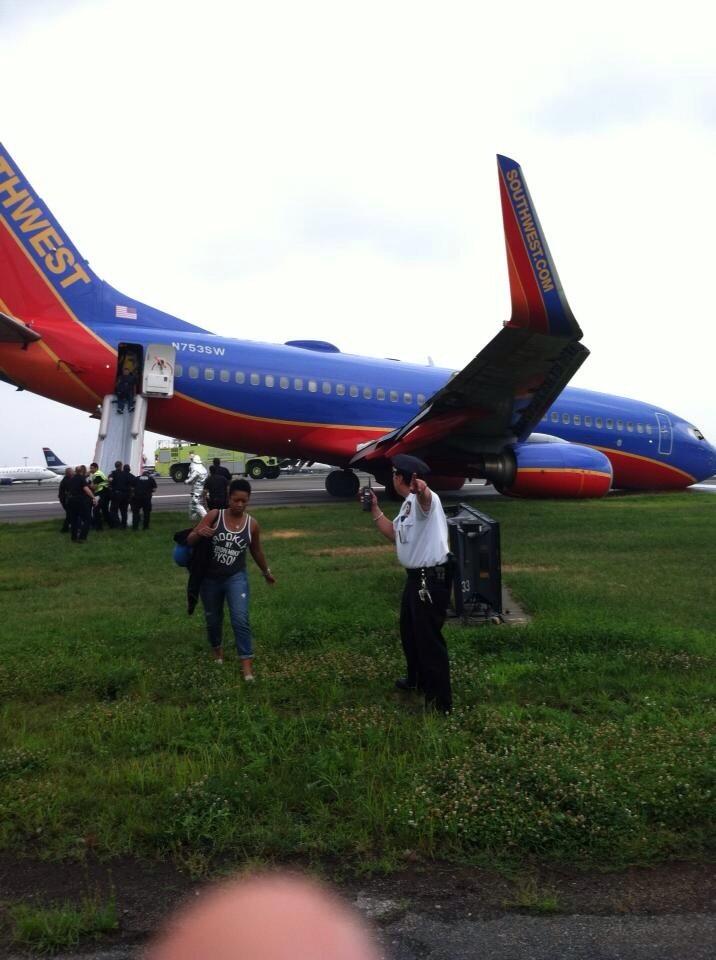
(580, 738)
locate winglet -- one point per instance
(538, 301)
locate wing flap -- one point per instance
(13, 331)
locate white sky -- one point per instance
(326, 170)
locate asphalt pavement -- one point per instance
(33, 501)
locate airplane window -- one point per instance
(598, 423)
(407, 397)
(254, 378)
(269, 380)
(341, 389)
(587, 421)
(312, 386)
(610, 423)
(239, 376)
(555, 417)
(640, 428)
(326, 387)
(576, 419)
(224, 374)
(178, 370)
(648, 429)
(565, 418)
(394, 396)
(421, 400)
(353, 390)
(208, 373)
(283, 383)
(193, 372)
(298, 384)
(697, 433)
(367, 393)
(630, 426)
(380, 393)
(620, 424)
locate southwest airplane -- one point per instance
(506, 416)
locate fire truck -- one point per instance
(171, 459)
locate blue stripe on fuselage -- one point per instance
(697, 458)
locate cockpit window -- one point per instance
(697, 433)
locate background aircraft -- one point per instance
(502, 417)
(53, 461)
(24, 474)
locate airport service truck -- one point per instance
(172, 460)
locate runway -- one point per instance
(32, 501)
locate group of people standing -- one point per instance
(91, 498)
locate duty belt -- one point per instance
(438, 572)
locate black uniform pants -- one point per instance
(120, 505)
(80, 514)
(66, 522)
(140, 504)
(101, 511)
(421, 635)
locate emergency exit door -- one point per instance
(665, 434)
(158, 378)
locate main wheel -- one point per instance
(179, 473)
(256, 470)
(342, 483)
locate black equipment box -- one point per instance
(474, 540)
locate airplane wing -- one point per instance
(12, 331)
(501, 395)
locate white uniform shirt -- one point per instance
(421, 538)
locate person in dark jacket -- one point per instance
(126, 389)
(63, 495)
(216, 488)
(122, 479)
(142, 490)
(81, 499)
(222, 471)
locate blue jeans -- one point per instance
(236, 591)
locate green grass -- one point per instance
(51, 929)
(581, 738)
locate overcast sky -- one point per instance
(326, 170)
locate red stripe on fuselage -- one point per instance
(632, 471)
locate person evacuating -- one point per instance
(141, 502)
(216, 489)
(126, 388)
(232, 533)
(197, 479)
(100, 486)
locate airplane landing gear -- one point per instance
(342, 483)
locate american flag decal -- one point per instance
(125, 313)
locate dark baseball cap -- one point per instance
(410, 465)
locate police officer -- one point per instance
(100, 485)
(63, 495)
(420, 535)
(121, 479)
(142, 490)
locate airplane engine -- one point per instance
(559, 470)
(439, 483)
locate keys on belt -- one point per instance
(423, 592)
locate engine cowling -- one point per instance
(559, 470)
